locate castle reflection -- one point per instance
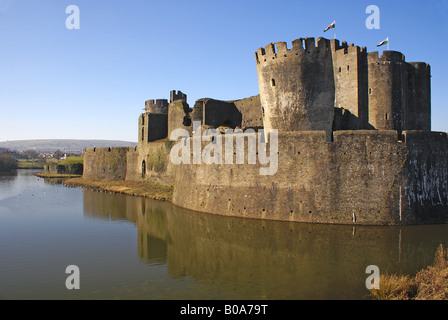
(267, 259)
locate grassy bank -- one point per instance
(133, 188)
(429, 284)
(57, 176)
(30, 164)
(72, 160)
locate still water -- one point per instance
(134, 248)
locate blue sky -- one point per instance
(92, 83)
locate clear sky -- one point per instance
(92, 83)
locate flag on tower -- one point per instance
(382, 43)
(331, 26)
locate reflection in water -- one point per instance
(257, 259)
(8, 176)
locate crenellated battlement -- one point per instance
(300, 47)
(422, 66)
(389, 56)
(159, 106)
(346, 49)
(301, 76)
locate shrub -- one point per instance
(7, 162)
(429, 284)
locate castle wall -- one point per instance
(151, 163)
(363, 177)
(105, 163)
(427, 173)
(419, 96)
(250, 109)
(297, 85)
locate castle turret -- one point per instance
(387, 90)
(296, 85)
(153, 124)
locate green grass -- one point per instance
(72, 160)
(133, 188)
(30, 164)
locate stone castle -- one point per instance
(355, 143)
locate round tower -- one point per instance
(387, 90)
(296, 85)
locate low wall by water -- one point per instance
(362, 177)
(105, 163)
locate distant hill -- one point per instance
(63, 145)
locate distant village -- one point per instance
(31, 159)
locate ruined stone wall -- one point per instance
(179, 117)
(243, 113)
(297, 85)
(218, 113)
(152, 127)
(177, 95)
(363, 177)
(159, 106)
(250, 108)
(157, 126)
(105, 163)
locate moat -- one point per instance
(135, 248)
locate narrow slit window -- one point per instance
(143, 168)
(273, 82)
(387, 116)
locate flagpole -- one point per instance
(334, 29)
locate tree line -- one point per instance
(7, 161)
